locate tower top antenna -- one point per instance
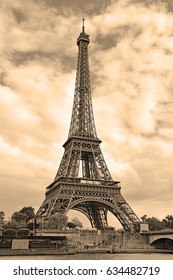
(83, 26)
(83, 37)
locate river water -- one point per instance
(96, 256)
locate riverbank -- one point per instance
(73, 251)
(37, 251)
(142, 251)
(124, 251)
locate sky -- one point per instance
(131, 69)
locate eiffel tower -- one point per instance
(83, 181)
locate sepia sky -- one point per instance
(131, 67)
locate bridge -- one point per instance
(162, 239)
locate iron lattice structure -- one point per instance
(83, 181)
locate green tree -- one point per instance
(58, 221)
(77, 222)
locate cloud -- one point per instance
(135, 86)
(131, 64)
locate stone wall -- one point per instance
(131, 240)
(121, 240)
(104, 238)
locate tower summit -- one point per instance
(83, 27)
(82, 121)
(83, 181)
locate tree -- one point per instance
(168, 221)
(23, 215)
(77, 222)
(2, 216)
(28, 211)
(11, 225)
(58, 221)
(19, 217)
(153, 222)
(71, 225)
